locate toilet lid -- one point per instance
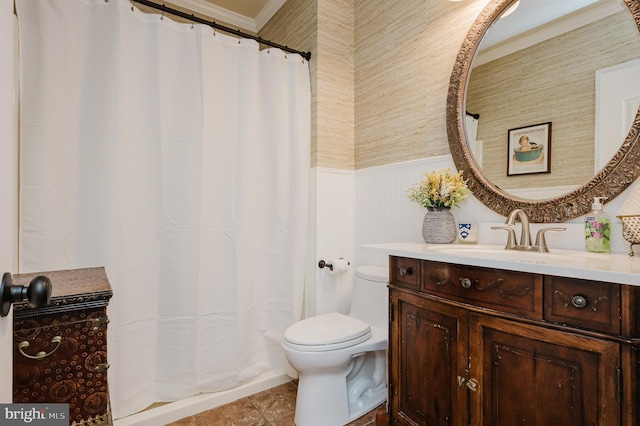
(328, 329)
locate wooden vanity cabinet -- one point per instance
(481, 346)
(427, 348)
(529, 375)
(60, 350)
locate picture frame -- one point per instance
(529, 150)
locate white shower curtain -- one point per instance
(177, 158)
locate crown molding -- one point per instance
(229, 17)
(571, 22)
(267, 12)
(217, 13)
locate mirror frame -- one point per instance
(621, 171)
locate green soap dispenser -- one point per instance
(597, 228)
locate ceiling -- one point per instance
(248, 15)
(529, 15)
(248, 8)
(537, 20)
(252, 15)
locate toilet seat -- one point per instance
(326, 332)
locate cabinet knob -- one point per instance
(579, 301)
(465, 282)
(405, 271)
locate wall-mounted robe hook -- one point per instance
(38, 292)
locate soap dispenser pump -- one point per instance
(597, 228)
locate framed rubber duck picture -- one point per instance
(529, 150)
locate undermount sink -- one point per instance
(500, 253)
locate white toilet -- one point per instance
(341, 359)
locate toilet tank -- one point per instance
(370, 296)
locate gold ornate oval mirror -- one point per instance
(492, 182)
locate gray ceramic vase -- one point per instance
(439, 226)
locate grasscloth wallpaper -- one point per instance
(403, 59)
(325, 27)
(380, 72)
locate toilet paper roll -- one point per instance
(340, 266)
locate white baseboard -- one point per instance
(177, 410)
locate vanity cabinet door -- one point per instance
(427, 352)
(536, 376)
(630, 380)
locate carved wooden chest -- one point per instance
(60, 350)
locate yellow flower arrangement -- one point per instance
(439, 189)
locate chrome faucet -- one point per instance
(525, 235)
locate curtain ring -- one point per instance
(133, 3)
(192, 21)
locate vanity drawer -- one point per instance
(405, 272)
(581, 303)
(518, 293)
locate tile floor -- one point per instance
(273, 407)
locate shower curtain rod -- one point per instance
(213, 24)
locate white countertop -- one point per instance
(615, 267)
